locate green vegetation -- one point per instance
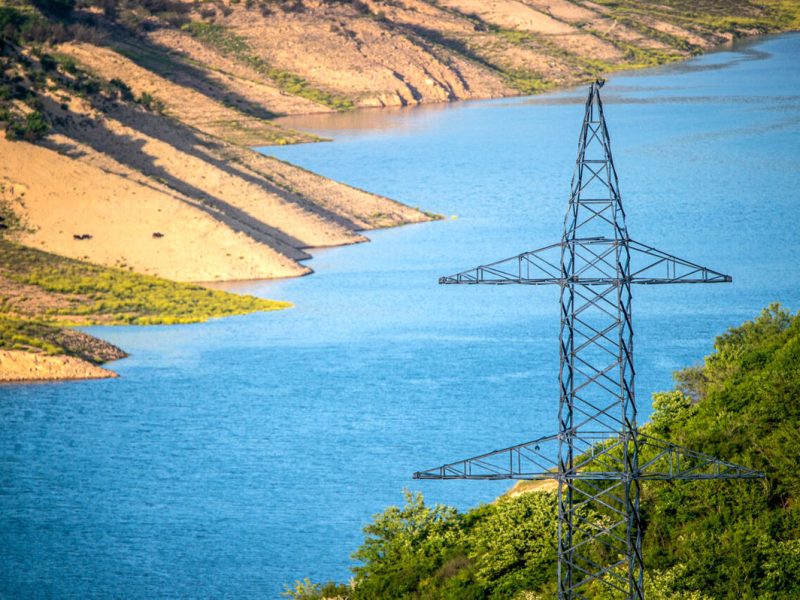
(703, 540)
(21, 334)
(234, 45)
(636, 57)
(787, 14)
(151, 103)
(526, 82)
(71, 292)
(113, 296)
(723, 16)
(29, 75)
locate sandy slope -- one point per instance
(240, 82)
(197, 103)
(122, 214)
(162, 197)
(372, 61)
(417, 51)
(514, 14)
(19, 366)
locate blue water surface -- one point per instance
(234, 456)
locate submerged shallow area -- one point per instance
(234, 456)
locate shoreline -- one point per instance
(21, 367)
(119, 173)
(301, 120)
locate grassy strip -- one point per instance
(638, 58)
(30, 336)
(717, 16)
(232, 44)
(116, 297)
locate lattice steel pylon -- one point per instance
(599, 457)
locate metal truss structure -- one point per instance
(599, 457)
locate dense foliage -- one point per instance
(703, 540)
(37, 84)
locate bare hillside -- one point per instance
(128, 122)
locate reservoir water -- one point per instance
(234, 456)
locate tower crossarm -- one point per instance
(660, 460)
(652, 266)
(531, 460)
(648, 266)
(536, 267)
(599, 459)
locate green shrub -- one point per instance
(31, 127)
(122, 88)
(703, 540)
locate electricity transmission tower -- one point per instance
(599, 457)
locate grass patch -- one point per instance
(431, 215)
(527, 82)
(712, 16)
(235, 45)
(787, 14)
(30, 336)
(636, 57)
(113, 296)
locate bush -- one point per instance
(151, 103)
(30, 128)
(123, 89)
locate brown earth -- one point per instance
(163, 198)
(146, 165)
(169, 189)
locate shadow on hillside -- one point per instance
(130, 152)
(203, 147)
(175, 68)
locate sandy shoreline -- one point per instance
(17, 366)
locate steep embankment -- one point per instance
(144, 157)
(400, 52)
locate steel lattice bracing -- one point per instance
(598, 456)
